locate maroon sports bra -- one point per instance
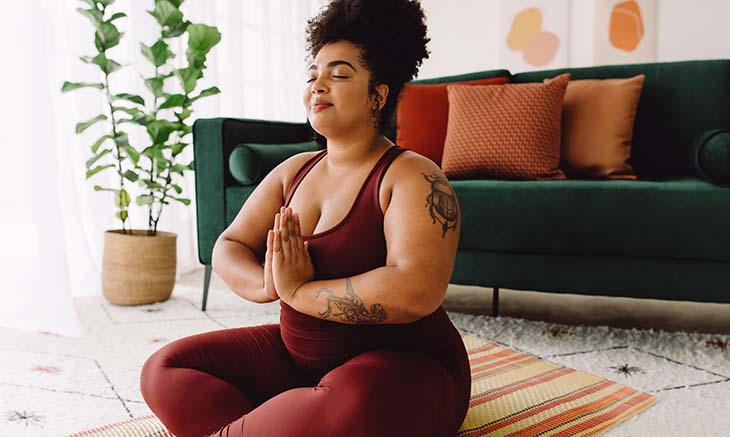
(357, 243)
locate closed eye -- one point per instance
(338, 77)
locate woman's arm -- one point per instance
(239, 252)
(422, 227)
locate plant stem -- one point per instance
(114, 130)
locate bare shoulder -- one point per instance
(410, 162)
(289, 167)
(412, 170)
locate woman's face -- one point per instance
(336, 94)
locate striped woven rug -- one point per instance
(517, 394)
(513, 394)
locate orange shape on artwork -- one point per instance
(627, 27)
(524, 26)
(541, 48)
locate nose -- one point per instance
(317, 86)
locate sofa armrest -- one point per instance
(214, 139)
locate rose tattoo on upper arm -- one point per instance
(441, 202)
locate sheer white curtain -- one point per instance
(52, 222)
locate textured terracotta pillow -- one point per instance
(598, 126)
(422, 114)
(505, 131)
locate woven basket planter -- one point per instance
(137, 268)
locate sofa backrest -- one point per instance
(679, 101)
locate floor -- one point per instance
(573, 309)
(52, 385)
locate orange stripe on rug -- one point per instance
(574, 413)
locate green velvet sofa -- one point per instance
(663, 236)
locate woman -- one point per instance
(360, 252)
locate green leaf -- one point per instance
(152, 184)
(121, 198)
(122, 215)
(121, 139)
(130, 97)
(155, 85)
(185, 113)
(176, 3)
(176, 30)
(188, 78)
(201, 38)
(80, 127)
(158, 54)
(91, 161)
(70, 86)
(177, 148)
(108, 34)
(130, 111)
(178, 189)
(107, 65)
(96, 170)
(166, 13)
(191, 165)
(160, 130)
(206, 92)
(131, 176)
(94, 15)
(95, 146)
(97, 42)
(117, 15)
(153, 152)
(173, 100)
(179, 168)
(145, 199)
(181, 200)
(122, 142)
(98, 188)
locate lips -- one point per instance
(318, 106)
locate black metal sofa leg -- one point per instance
(495, 302)
(206, 284)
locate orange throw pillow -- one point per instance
(507, 131)
(422, 114)
(598, 126)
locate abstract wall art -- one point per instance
(533, 35)
(625, 31)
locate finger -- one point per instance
(296, 240)
(277, 243)
(269, 244)
(284, 230)
(277, 219)
(306, 249)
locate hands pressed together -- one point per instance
(288, 264)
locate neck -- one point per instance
(347, 155)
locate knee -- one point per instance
(151, 377)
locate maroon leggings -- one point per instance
(243, 382)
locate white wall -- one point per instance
(464, 33)
(699, 29)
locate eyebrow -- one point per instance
(332, 64)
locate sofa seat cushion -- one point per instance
(672, 218)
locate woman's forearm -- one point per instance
(379, 296)
(239, 268)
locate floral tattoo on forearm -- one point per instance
(351, 307)
(441, 202)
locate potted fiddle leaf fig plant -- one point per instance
(139, 265)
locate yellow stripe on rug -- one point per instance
(517, 394)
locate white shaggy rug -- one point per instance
(53, 386)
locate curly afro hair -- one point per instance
(391, 36)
